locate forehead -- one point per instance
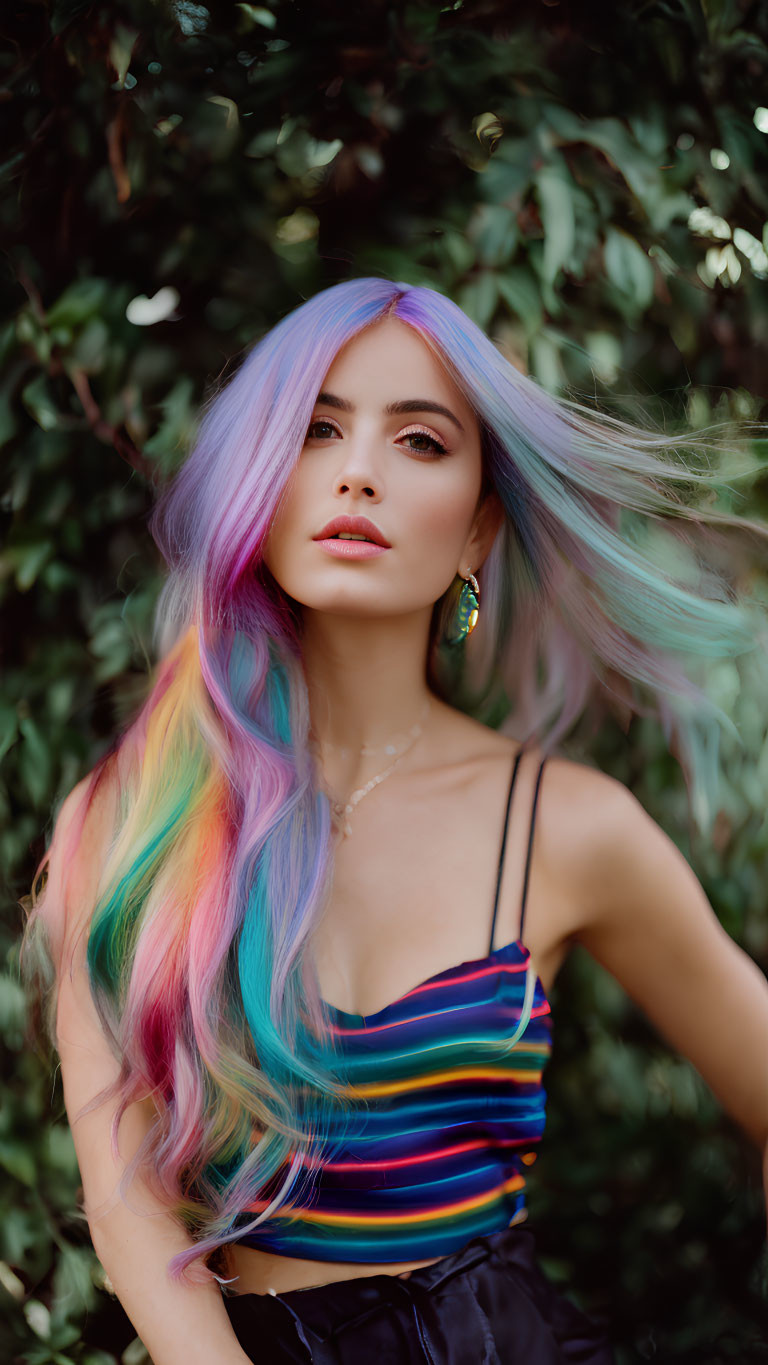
(390, 360)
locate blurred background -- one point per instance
(589, 183)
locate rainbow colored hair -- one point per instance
(603, 582)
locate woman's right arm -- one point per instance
(178, 1324)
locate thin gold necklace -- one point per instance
(341, 810)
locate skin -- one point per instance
(413, 884)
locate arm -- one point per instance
(176, 1323)
(650, 924)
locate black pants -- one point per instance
(487, 1304)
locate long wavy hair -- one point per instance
(609, 582)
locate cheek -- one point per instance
(444, 517)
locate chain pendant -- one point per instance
(342, 810)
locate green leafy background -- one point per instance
(589, 183)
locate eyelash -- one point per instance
(439, 449)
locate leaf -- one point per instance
(9, 727)
(629, 269)
(553, 188)
(111, 645)
(658, 197)
(60, 1152)
(19, 1231)
(35, 761)
(176, 429)
(256, 14)
(478, 298)
(13, 1005)
(120, 50)
(90, 350)
(520, 292)
(135, 1353)
(26, 561)
(18, 1161)
(459, 251)
(547, 362)
(7, 419)
(37, 399)
(493, 229)
(79, 302)
(73, 1289)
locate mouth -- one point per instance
(359, 530)
(343, 547)
(340, 535)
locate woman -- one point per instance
(299, 937)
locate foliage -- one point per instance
(590, 185)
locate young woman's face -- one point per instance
(415, 475)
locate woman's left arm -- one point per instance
(650, 924)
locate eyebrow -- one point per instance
(331, 400)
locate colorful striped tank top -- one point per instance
(452, 1078)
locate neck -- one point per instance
(366, 677)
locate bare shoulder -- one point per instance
(602, 843)
(639, 909)
(590, 823)
(599, 855)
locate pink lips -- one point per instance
(374, 544)
(352, 549)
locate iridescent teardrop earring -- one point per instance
(467, 610)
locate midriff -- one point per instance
(260, 1271)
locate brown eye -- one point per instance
(321, 422)
(433, 445)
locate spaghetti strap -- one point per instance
(530, 847)
(515, 767)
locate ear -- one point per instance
(485, 527)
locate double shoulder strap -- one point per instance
(515, 768)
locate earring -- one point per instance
(467, 610)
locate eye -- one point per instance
(418, 433)
(321, 422)
(430, 447)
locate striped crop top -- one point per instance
(452, 1077)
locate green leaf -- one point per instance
(60, 1152)
(9, 727)
(13, 1005)
(7, 419)
(73, 1287)
(111, 645)
(458, 250)
(35, 761)
(37, 399)
(90, 350)
(493, 229)
(174, 433)
(547, 364)
(479, 297)
(553, 187)
(629, 269)
(18, 1161)
(520, 292)
(19, 1232)
(80, 301)
(26, 561)
(135, 1353)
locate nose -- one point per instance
(357, 476)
